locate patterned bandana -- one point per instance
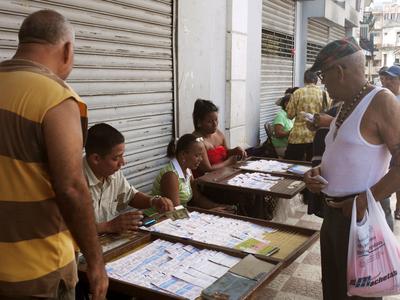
(334, 51)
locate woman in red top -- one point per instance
(215, 151)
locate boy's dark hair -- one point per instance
(285, 100)
(291, 90)
(201, 109)
(183, 144)
(102, 138)
(310, 77)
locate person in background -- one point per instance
(358, 146)
(381, 76)
(391, 80)
(45, 203)
(215, 152)
(111, 193)
(309, 99)
(282, 126)
(175, 181)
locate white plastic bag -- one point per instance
(373, 262)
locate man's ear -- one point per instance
(340, 73)
(68, 53)
(94, 158)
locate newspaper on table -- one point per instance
(271, 166)
(264, 165)
(172, 267)
(212, 229)
(256, 180)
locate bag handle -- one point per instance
(371, 205)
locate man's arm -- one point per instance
(380, 125)
(387, 110)
(63, 137)
(141, 200)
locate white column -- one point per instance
(236, 68)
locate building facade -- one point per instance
(386, 33)
(141, 64)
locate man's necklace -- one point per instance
(346, 110)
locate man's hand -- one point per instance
(98, 281)
(347, 206)
(129, 221)
(313, 184)
(163, 204)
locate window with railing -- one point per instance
(312, 51)
(277, 44)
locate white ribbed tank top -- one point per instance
(351, 164)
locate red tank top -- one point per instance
(215, 156)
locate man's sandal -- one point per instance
(397, 214)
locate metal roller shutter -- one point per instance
(123, 70)
(317, 38)
(278, 22)
(336, 32)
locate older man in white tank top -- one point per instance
(357, 155)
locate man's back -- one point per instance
(308, 99)
(36, 250)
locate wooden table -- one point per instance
(292, 240)
(285, 188)
(242, 164)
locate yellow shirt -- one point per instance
(308, 99)
(36, 248)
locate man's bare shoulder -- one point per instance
(384, 100)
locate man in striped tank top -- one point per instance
(359, 144)
(44, 200)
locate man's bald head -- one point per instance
(45, 27)
(355, 63)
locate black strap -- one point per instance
(324, 101)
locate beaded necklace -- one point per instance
(345, 110)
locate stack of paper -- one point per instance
(264, 165)
(258, 181)
(172, 267)
(211, 229)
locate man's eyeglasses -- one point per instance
(322, 73)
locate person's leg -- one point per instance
(294, 152)
(308, 151)
(397, 210)
(328, 266)
(385, 203)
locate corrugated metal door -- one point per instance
(317, 38)
(278, 20)
(336, 32)
(123, 70)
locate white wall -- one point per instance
(207, 67)
(253, 71)
(201, 54)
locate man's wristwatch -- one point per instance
(156, 197)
